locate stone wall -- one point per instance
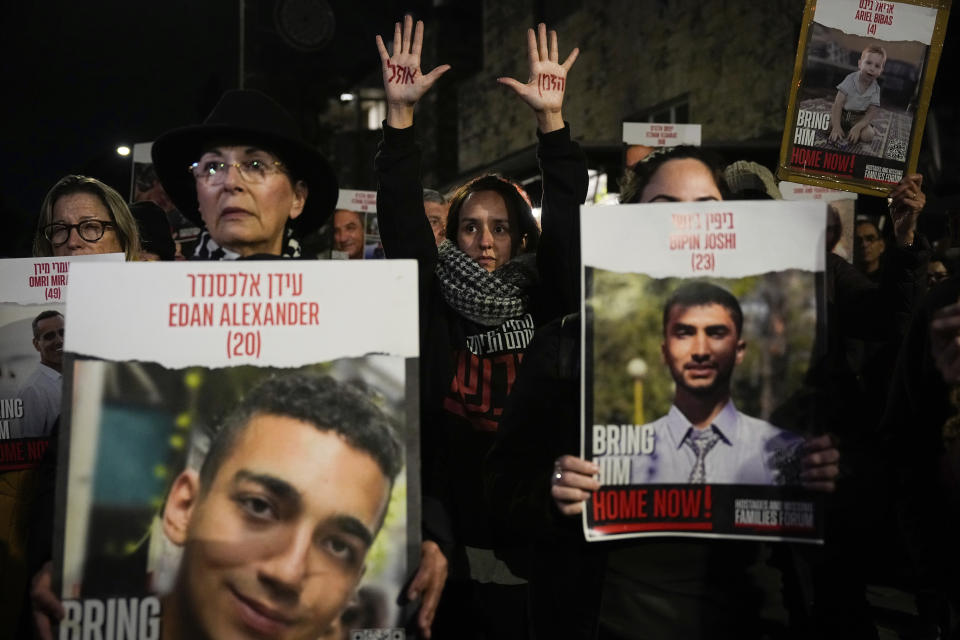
(732, 58)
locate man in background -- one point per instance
(436, 207)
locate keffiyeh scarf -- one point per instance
(208, 249)
(479, 295)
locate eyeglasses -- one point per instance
(252, 171)
(89, 230)
(50, 335)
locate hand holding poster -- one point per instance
(723, 295)
(862, 83)
(238, 486)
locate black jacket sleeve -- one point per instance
(404, 229)
(405, 233)
(564, 170)
(879, 311)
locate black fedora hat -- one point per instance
(244, 116)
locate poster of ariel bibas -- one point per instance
(701, 320)
(240, 454)
(861, 88)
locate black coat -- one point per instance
(453, 445)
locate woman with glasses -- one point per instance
(82, 215)
(79, 216)
(247, 177)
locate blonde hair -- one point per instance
(875, 49)
(126, 225)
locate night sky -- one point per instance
(80, 78)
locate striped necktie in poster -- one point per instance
(701, 441)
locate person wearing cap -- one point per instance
(247, 177)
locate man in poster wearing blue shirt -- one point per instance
(704, 438)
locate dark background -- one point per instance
(81, 78)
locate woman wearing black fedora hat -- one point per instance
(482, 292)
(247, 177)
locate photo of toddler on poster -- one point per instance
(862, 81)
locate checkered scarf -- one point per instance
(208, 249)
(479, 295)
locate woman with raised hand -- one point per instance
(482, 292)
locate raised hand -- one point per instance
(403, 82)
(906, 202)
(544, 90)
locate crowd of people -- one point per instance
(503, 554)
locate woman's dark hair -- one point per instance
(524, 230)
(637, 177)
(699, 293)
(327, 404)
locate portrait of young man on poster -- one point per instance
(274, 527)
(704, 438)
